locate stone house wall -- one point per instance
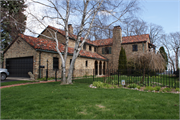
(80, 68)
(129, 49)
(21, 49)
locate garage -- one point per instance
(19, 67)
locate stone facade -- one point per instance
(116, 47)
(21, 49)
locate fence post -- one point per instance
(118, 77)
(148, 76)
(56, 75)
(93, 75)
(47, 71)
(169, 78)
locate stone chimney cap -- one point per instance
(115, 27)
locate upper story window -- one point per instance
(55, 63)
(134, 47)
(94, 49)
(84, 46)
(86, 63)
(89, 48)
(106, 50)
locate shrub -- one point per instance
(115, 86)
(146, 88)
(166, 89)
(132, 85)
(98, 84)
(138, 87)
(149, 88)
(157, 88)
(177, 89)
(120, 85)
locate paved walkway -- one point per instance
(28, 83)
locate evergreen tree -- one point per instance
(122, 61)
(164, 55)
(11, 10)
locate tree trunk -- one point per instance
(63, 76)
(70, 73)
(176, 58)
(144, 71)
(69, 79)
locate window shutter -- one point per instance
(103, 49)
(109, 50)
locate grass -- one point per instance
(14, 82)
(78, 101)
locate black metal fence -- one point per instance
(161, 78)
(112, 76)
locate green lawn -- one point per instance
(78, 101)
(15, 82)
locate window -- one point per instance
(86, 63)
(94, 49)
(84, 46)
(106, 50)
(135, 48)
(70, 61)
(55, 63)
(89, 48)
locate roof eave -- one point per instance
(50, 51)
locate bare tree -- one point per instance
(139, 27)
(147, 60)
(86, 12)
(171, 43)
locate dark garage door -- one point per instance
(19, 67)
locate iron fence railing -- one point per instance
(113, 76)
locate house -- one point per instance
(36, 54)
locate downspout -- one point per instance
(39, 64)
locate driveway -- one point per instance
(9, 79)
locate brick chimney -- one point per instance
(117, 40)
(70, 28)
(117, 34)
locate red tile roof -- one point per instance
(103, 42)
(136, 38)
(44, 44)
(125, 40)
(109, 41)
(70, 35)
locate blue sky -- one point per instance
(165, 13)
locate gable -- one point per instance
(19, 48)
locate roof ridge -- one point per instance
(135, 35)
(104, 39)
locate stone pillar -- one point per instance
(97, 67)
